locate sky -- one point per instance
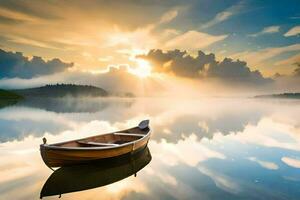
(236, 44)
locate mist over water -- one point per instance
(209, 148)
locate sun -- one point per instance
(143, 69)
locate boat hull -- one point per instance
(86, 176)
(64, 157)
(72, 152)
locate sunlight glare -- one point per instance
(142, 70)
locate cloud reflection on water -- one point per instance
(213, 148)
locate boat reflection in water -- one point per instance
(96, 174)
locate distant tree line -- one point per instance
(62, 90)
(291, 95)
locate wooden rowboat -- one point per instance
(101, 173)
(96, 147)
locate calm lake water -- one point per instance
(199, 149)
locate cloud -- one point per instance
(289, 61)
(264, 164)
(291, 81)
(292, 162)
(16, 65)
(141, 39)
(126, 13)
(266, 30)
(23, 10)
(184, 151)
(271, 29)
(297, 70)
(102, 28)
(116, 80)
(180, 63)
(255, 58)
(222, 181)
(168, 16)
(31, 42)
(224, 15)
(17, 123)
(7, 20)
(192, 40)
(16, 16)
(262, 134)
(293, 31)
(288, 83)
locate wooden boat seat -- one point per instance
(130, 134)
(97, 143)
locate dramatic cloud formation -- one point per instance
(173, 71)
(16, 65)
(203, 65)
(117, 80)
(100, 33)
